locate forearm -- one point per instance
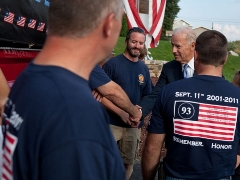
(148, 101)
(4, 90)
(110, 106)
(118, 97)
(151, 155)
(124, 115)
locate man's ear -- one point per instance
(195, 56)
(193, 45)
(108, 25)
(226, 59)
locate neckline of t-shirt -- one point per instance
(209, 77)
(130, 60)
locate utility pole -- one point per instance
(212, 25)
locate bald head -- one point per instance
(187, 31)
(78, 18)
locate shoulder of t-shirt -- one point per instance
(115, 58)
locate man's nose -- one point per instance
(174, 49)
(138, 45)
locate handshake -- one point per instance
(132, 119)
(133, 115)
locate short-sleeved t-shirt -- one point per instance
(200, 117)
(57, 130)
(98, 78)
(133, 77)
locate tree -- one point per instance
(124, 29)
(171, 12)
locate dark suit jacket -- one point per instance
(171, 71)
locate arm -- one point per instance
(151, 155)
(97, 95)
(124, 115)
(149, 100)
(238, 157)
(4, 91)
(114, 93)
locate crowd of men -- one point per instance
(55, 122)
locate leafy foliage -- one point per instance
(171, 12)
(234, 46)
(124, 28)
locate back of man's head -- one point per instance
(78, 18)
(211, 47)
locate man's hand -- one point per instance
(138, 115)
(125, 117)
(135, 124)
(238, 161)
(128, 120)
(135, 121)
(97, 95)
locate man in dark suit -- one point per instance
(183, 45)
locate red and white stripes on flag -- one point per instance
(40, 26)
(214, 122)
(21, 21)
(32, 23)
(156, 16)
(9, 147)
(9, 17)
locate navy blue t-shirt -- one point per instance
(133, 77)
(200, 117)
(57, 129)
(98, 78)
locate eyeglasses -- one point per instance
(135, 29)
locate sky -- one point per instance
(221, 15)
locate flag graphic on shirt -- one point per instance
(40, 26)
(9, 147)
(32, 23)
(9, 17)
(214, 122)
(21, 21)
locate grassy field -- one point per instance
(164, 52)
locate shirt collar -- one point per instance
(190, 63)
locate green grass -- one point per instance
(164, 52)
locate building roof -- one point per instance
(183, 21)
(201, 27)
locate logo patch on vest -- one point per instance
(141, 79)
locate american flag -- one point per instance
(155, 19)
(10, 145)
(32, 23)
(40, 26)
(214, 122)
(21, 21)
(9, 17)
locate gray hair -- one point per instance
(190, 34)
(78, 18)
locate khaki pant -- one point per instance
(127, 140)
